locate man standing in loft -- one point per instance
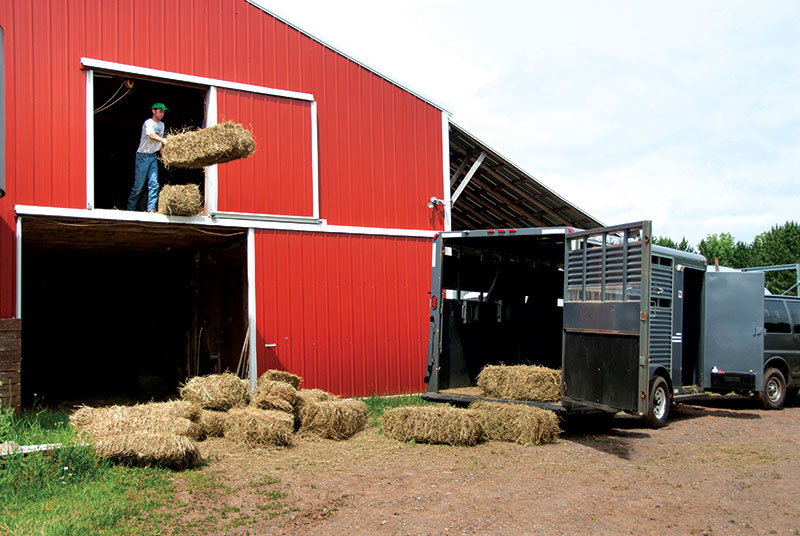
(147, 159)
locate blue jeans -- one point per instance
(146, 171)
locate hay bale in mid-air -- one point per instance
(433, 424)
(85, 415)
(334, 419)
(282, 376)
(217, 144)
(144, 424)
(521, 382)
(526, 425)
(180, 200)
(168, 450)
(259, 427)
(216, 391)
(213, 422)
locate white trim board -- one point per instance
(191, 79)
(317, 226)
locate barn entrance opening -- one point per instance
(121, 106)
(123, 310)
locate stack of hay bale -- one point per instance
(218, 405)
(497, 421)
(159, 433)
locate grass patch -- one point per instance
(376, 405)
(69, 490)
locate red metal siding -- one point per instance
(277, 179)
(380, 148)
(348, 313)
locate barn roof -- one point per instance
(499, 193)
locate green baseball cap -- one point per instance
(159, 106)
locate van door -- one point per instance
(606, 322)
(733, 334)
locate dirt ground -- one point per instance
(722, 467)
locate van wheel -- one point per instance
(774, 393)
(658, 406)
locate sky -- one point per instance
(683, 113)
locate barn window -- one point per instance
(278, 182)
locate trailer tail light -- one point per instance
(501, 230)
(433, 303)
(490, 231)
(512, 230)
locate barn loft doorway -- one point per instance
(128, 310)
(121, 106)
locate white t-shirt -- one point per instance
(147, 144)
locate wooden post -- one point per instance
(11, 363)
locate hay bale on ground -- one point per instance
(213, 422)
(180, 200)
(526, 425)
(216, 391)
(283, 390)
(521, 382)
(145, 424)
(309, 396)
(282, 376)
(259, 427)
(334, 419)
(85, 415)
(433, 424)
(271, 402)
(168, 450)
(206, 146)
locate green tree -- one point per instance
(779, 245)
(667, 242)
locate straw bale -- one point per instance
(85, 415)
(213, 422)
(263, 401)
(433, 424)
(259, 427)
(169, 450)
(334, 419)
(180, 200)
(206, 146)
(216, 391)
(146, 424)
(282, 376)
(521, 382)
(306, 397)
(526, 425)
(274, 388)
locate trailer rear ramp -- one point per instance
(463, 396)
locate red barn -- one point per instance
(313, 255)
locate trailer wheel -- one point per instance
(658, 406)
(774, 393)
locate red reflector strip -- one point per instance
(436, 236)
(501, 230)
(490, 231)
(512, 230)
(433, 303)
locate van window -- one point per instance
(794, 310)
(775, 318)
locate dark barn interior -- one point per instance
(122, 104)
(128, 310)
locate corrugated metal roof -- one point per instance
(501, 194)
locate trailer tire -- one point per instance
(774, 394)
(658, 403)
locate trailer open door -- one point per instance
(733, 330)
(605, 361)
